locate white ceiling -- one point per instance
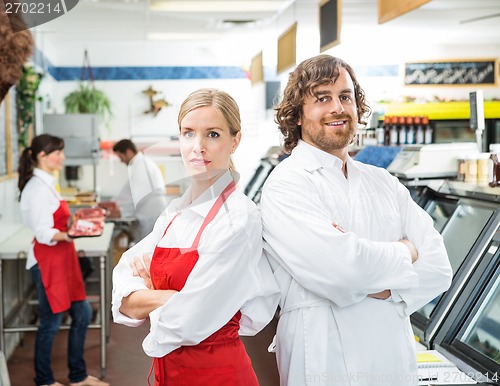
(121, 21)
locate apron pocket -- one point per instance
(211, 376)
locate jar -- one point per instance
(471, 169)
(461, 168)
(483, 168)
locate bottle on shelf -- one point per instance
(387, 130)
(394, 131)
(427, 130)
(495, 165)
(380, 133)
(402, 131)
(419, 131)
(410, 133)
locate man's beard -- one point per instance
(329, 140)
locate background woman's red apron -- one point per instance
(59, 266)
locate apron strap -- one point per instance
(151, 371)
(213, 211)
(170, 223)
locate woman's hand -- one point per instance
(140, 267)
(140, 303)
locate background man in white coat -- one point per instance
(143, 196)
(353, 254)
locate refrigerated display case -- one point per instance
(273, 157)
(470, 334)
(466, 226)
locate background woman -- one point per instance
(208, 280)
(53, 261)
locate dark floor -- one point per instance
(127, 365)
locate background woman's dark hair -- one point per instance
(311, 73)
(28, 160)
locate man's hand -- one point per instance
(385, 294)
(411, 247)
(140, 267)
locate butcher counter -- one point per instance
(15, 246)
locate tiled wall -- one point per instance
(9, 207)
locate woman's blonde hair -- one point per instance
(222, 102)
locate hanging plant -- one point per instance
(26, 98)
(87, 99)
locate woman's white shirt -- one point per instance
(231, 274)
(39, 201)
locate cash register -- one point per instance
(429, 161)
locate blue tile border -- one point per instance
(148, 73)
(152, 73)
(178, 72)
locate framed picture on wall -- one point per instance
(390, 9)
(257, 69)
(287, 49)
(330, 12)
(456, 72)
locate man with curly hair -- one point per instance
(353, 254)
(16, 46)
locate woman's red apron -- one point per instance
(60, 267)
(219, 360)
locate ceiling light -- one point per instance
(178, 36)
(217, 6)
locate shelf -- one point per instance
(440, 110)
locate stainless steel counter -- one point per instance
(16, 245)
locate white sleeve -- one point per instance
(156, 175)
(223, 280)
(145, 177)
(124, 283)
(327, 262)
(124, 201)
(38, 213)
(432, 266)
(257, 312)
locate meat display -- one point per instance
(97, 214)
(88, 222)
(112, 210)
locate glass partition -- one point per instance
(483, 332)
(460, 230)
(440, 211)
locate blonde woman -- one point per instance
(200, 276)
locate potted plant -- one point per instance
(26, 97)
(87, 99)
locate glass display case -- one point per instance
(440, 209)
(254, 186)
(471, 331)
(273, 157)
(466, 225)
(483, 333)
